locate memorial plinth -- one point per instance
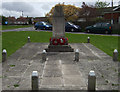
(58, 42)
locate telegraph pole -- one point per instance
(112, 13)
(22, 13)
(112, 3)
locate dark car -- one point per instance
(99, 28)
(43, 26)
(70, 27)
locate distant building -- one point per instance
(37, 19)
(22, 20)
(11, 20)
(113, 16)
(25, 20)
(87, 14)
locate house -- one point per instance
(113, 16)
(22, 20)
(11, 20)
(37, 19)
(87, 14)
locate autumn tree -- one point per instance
(100, 4)
(3, 19)
(70, 12)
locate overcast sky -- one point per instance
(38, 8)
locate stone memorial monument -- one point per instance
(58, 42)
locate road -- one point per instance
(32, 29)
(20, 29)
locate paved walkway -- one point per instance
(59, 71)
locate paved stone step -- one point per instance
(59, 48)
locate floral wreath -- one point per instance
(55, 41)
(62, 41)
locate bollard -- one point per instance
(35, 80)
(91, 81)
(28, 39)
(88, 40)
(44, 55)
(115, 55)
(77, 55)
(4, 55)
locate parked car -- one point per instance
(43, 26)
(70, 27)
(99, 28)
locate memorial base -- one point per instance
(59, 48)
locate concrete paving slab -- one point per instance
(51, 81)
(13, 73)
(31, 68)
(68, 62)
(70, 67)
(25, 84)
(56, 62)
(74, 81)
(52, 73)
(18, 67)
(75, 88)
(70, 72)
(10, 83)
(52, 67)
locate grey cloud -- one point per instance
(17, 6)
(45, 6)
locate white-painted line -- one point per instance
(27, 68)
(92, 51)
(43, 72)
(14, 76)
(63, 81)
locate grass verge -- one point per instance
(6, 27)
(14, 40)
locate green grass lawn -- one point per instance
(6, 27)
(14, 40)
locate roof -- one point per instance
(22, 19)
(102, 11)
(115, 9)
(112, 12)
